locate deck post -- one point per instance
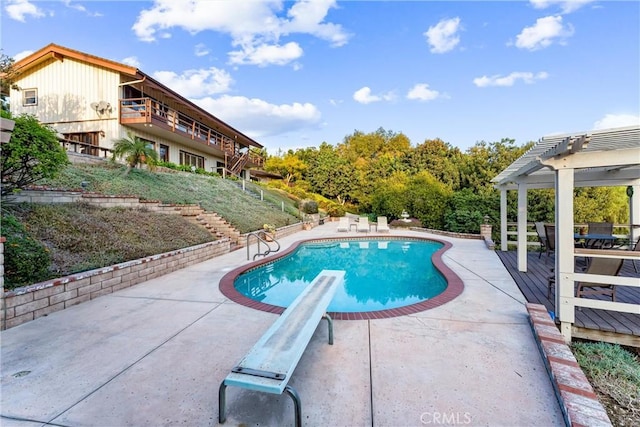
(634, 213)
(504, 243)
(522, 227)
(565, 260)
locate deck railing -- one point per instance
(148, 110)
(619, 230)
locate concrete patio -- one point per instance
(155, 354)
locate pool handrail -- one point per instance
(261, 237)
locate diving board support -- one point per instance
(268, 366)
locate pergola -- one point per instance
(598, 158)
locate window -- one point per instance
(29, 97)
(164, 153)
(191, 159)
(148, 143)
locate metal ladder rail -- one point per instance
(259, 238)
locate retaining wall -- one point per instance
(24, 304)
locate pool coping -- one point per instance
(454, 288)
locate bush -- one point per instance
(25, 260)
(33, 153)
(309, 206)
(335, 210)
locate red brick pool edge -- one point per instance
(454, 288)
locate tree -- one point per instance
(289, 166)
(428, 200)
(8, 75)
(439, 158)
(389, 198)
(33, 153)
(331, 175)
(135, 151)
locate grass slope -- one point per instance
(222, 196)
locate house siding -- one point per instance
(66, 89)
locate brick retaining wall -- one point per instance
(579, 403)
(24, 304)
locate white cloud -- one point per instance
(567, 6)
(258, 118)
(19, 9)
(306, 18)
(421, 92)
(256, 27)
(80, 8)
(201, 49)
(543, 33)
(131, 61)
(443, 36)
(364, 96)
(18, 56)
(510, 80)
(196, 83)
(264, 54)
(616, 121)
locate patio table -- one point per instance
(594, 239)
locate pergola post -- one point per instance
(634, 214)
(564, 265)
(522, 227)
(504, 245)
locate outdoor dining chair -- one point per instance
(542, 238)
(605, 267)
(604, 228)
(550, 235)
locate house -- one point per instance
(91, 101)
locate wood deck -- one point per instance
(600, 325)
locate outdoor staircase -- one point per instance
(213, 222)
(237, 163)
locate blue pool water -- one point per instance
(380, 274)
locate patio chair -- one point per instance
(636, 248)
(542, 237)
(550, 235)
(605, 228)
(605, 267)
(363, 224)
(382, 224)
(343, 225)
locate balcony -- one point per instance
(178, 127)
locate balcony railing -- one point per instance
(150, 111)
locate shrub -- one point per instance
(335, 210)
(33, 153)
(26, 261)
(309, 206)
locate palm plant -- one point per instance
(135, 151)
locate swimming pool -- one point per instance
(384, 276)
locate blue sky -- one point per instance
(296, 74)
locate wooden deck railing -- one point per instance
(85, 148)
(620, 230)
(148, 110)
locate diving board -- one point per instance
(268, 366)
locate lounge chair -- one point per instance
(363, 224)
(605, 267)
(542, 238)
(344, 224)
(382, 224)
